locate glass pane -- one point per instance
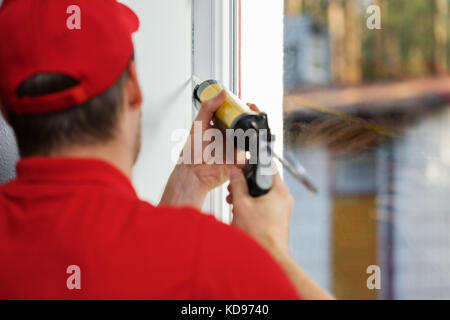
(367, 113)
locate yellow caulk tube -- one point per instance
(236, 115)
(230, 111)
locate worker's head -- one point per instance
(114, 114)
(72, 82)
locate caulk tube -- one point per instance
(236, 115)
(231, 111)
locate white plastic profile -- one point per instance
(214, 56)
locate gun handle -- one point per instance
(258, 184)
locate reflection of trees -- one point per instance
(336, 23)
(344, 21)
(441, 35)
(413, 40)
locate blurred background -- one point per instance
(367, 113)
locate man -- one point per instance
(71, 225)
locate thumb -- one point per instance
(210, 106)
(239, 187)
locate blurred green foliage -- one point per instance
(406, 45)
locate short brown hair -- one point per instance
(93, 122)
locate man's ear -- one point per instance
(132, 87)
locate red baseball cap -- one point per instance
(38, 36)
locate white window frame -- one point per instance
(215, 55)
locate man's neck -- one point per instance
(108, 153)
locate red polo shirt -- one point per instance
(63, 212)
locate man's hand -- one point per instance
(265, 218)
(210, 175)
(190, 182)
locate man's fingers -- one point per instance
(230, 199)
(238, 184)
(277, 181)
(240, 158)
(230, 195)
(253, 107)
(209, 107)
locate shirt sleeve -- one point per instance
(232, 266)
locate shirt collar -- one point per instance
(75, 171)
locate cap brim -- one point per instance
(130, 18)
